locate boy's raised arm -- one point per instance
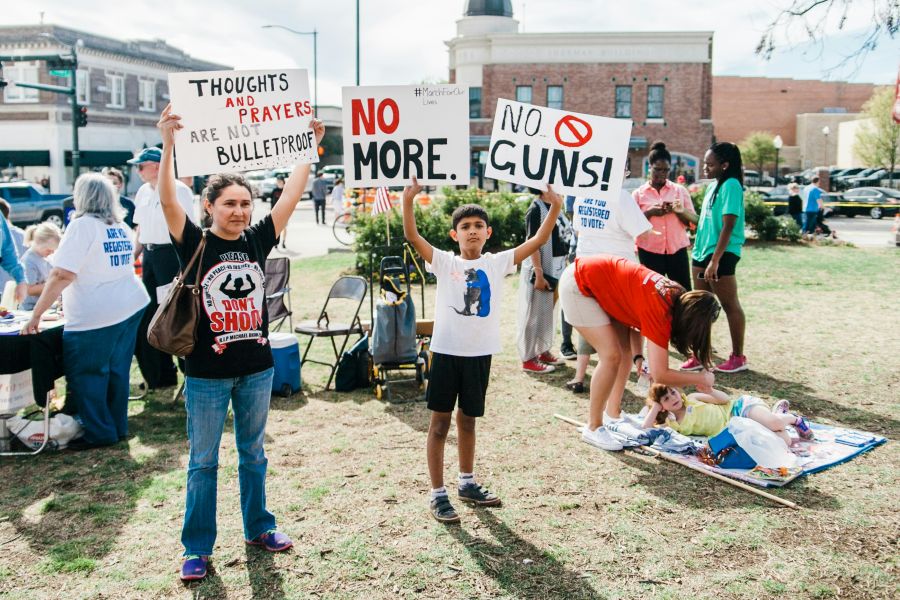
(410, 231)
(529, 247)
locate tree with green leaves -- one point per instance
(878, 137)
(758, 150)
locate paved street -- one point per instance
(863, 231)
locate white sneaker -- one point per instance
(601, 438)
(609, 419)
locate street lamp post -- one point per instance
(315, 35)
(825, 131)
(778, 143)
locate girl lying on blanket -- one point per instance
(708, 413)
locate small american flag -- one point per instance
(382, 201)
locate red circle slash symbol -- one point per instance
(577, 132)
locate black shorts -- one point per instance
(465, 377)
(727, 264)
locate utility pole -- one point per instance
(357, 43)
(70, 62)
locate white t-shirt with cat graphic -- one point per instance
(467, 303)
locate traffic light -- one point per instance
(81, 116)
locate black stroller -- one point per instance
(395, 345)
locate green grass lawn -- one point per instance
(347, 479)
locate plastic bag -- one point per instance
(763, 445)
(63, 429)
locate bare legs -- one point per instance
(726, 290)
(437, 440)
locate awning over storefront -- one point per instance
(100, 158)
(637, 143)
(24, 158)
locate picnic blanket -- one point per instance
(832, 446)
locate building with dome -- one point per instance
(661, 80)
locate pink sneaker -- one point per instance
(549, 359)
(536, 366)
(734, 364)
(691, 364)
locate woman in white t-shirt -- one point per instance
(607, 227)
(104, 301)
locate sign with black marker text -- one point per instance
(242, 120)
(577, 154)
(394, 133)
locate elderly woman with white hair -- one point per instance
(104, 301)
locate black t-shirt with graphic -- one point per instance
(233, 328)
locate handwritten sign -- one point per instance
(577, 154)
(242, 120)
(394, 133)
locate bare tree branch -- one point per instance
(817, 18)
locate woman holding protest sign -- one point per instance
(232, 360)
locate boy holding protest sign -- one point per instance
(466, 335)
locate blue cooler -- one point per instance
(286, 353)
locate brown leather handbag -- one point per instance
(173, 329)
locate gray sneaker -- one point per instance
(443, 511)
(477, 495)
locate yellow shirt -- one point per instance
(701, 418)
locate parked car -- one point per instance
(257, 181)
(28, 204)
(871, 179)
(268, 183)
(877, 202)
(754, 179)
(777, 199)
(839, 180)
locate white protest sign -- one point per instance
(577, 154)
(242, 120)
(394, 133)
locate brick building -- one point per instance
(661, 81)
(122, 83)
(797, 110)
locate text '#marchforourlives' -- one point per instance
(243, 119)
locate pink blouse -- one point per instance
(674, 232)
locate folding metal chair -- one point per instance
(278, 278)
(350, 288)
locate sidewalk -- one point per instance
(304, 237)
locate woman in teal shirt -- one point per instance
(717, 247)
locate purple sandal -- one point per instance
(194, 567)
(272, 540)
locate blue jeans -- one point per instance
(98, 367)
(207, 405)
(809, 222)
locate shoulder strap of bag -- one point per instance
(201, 247)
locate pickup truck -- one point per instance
(29, 205)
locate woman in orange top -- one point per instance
(603, 296)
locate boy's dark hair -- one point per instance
(5, 208)
(469, 210)
(535, 191)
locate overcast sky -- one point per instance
(402, 41)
